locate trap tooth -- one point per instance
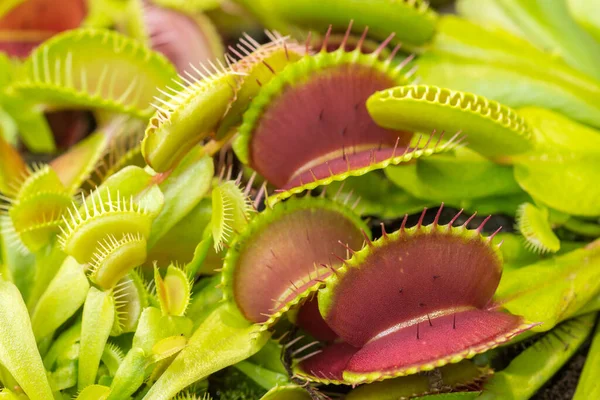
(492, 129)
(188, 113)
(94, 69)
(432, 306)
(412, 22)
(284, 253)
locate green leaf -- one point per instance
(54, 308)
(377, 195)
(287, 392)
(487, 12)
(18, 350)
(153, 327)
(206, 298)
(224, 338)
(589, 386)
(129, 376)
(65, 346)
(454, 177)
(97, 322)
(179, 243)
(550, 27)
(264, 377)
(584, 13)
(183, 189)
(534, 366)
(94, 392)
(561, 180)
(412, 22)
(551, 290)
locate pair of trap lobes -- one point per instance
(413, 300)
(305, 123)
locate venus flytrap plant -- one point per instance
(284, 240)
(341, 115)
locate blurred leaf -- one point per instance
(551, 290)
(18, 350)
(224, 338)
